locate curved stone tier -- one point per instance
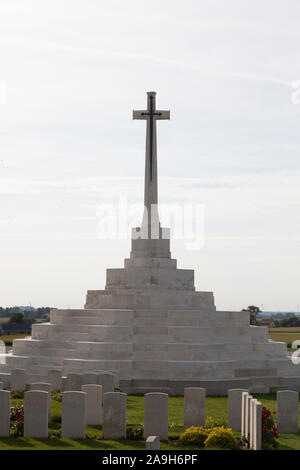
(151, 325)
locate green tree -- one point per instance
(16, 318)
(254, 311)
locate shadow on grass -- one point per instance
(55, 442)
(15, 442)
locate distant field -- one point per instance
(4, 319)
(285, 335)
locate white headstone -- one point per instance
(73, 421)
(156, 415)
(64, 383)
(107, 380)
(194, 406)
(74, 382)
(153, 443)
(90, 378)
(257, 426)
(116, 375)
(253, 402)
(36, 414)
(247, 416)
(45, 387)
(114, 415)
(4, 413)
(93, 403)
(243, 419)
(54, 378)
(287, 411)
(235, 408)
(18, 380)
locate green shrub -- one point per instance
(16, 395)
(135, 434)
(194, 436)
(56, 395)
(212, 423)
(269, 429)
(222, 438)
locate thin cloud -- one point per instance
(162, 60)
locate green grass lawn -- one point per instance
(216, 408)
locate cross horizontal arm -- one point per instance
(139, 115)
(158, 114)
(162, 114)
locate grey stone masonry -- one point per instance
(45, 387)
(54, 378)
(73, 415)
(235, 408)
(18, 380)
(36, 414)
(114, 415)
(93, 403)
(194, 406)
(156, 415)
(287, 411)
(4, 413)
(153, 443)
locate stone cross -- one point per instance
(151, 115)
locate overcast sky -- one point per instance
(70, 74)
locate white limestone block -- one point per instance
(253, 402)
(114, 415)
(93, 403)
(54, 378)
(36, 414)
(116, 375)
(90, 378)
(156, 415)
(73, 421)
(45, 387)
(4, 413)
(247, 416)
(287, 411)
(235, 408)
(74, 382)
(64, 383)
(194, 406)
(257, 426)
(18, 380)
(107, 380)
(153, 443)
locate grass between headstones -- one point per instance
(216, 412)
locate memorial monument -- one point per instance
(151, 325)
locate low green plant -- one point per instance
(135, 433)
(221, 438)
(213, 423)
(194, 436)
(56, 395)
(16, 395)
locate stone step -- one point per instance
(254, 372)
(42, 369)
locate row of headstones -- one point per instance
(72, 382)
(251, 414)
(80, 408)
(243, 411)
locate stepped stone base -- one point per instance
(151, 325)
